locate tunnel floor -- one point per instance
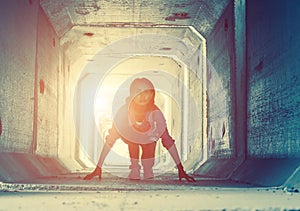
(165, 192)
(109, 182)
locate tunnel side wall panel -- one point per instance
(48, 72)
(220, 57)
(220, 88)
(273, 65)
(17, 63)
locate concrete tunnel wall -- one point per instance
(259, 65)
(254, 49)
(29, 93)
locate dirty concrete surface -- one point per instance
(164, 192)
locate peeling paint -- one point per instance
(180, 5)
(183, 5)
(226, 25)
(166, 48)
(0, 126)
(85, 8)
(260, 66)
(178, 16)
(223, 130)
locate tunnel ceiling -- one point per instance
(66, 14)
(85, 26)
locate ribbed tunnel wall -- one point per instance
(253, 49)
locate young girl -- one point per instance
(140, 123)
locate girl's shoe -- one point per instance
(96, 172)
(148, 174)
(134, 172)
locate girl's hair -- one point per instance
(139, 85)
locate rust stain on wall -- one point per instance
(89, 34)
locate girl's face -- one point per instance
(143, 98)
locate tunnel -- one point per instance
(226, 74)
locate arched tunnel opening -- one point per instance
(173, 65)
(229, 96)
